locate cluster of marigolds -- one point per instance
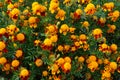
(29, 18)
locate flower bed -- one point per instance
(60, 39)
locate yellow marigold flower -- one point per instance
(66, 67)
(2, 45)
(37, 42)
(72, 29)
(15, 63)
(19, 53)
(86, 24)
(113, 65)
(14, 13)
(44, 73)
(38, 62)
(82, 37)
(34, 4)
(11, 29)
(73, 37)
(20, 37)
(60, 61)
(24, 73)
(81, 59)
(54, 38)
(90, 9)
(67, 59)
(47, 42)
(39, 9)
(114, 15)
(10, 6)
(2, 31)
(60, 48)
(6, 67)
(97, 33)
(3, 60)
(92, 58)
(77, 14)
(106, 75)
(113, 47)
(108, 6)
(64, 29)
(33, 22)
(61, 14)
(66, 47)
(54, 7)
(77, 44)
(73, 48)
(93, 66)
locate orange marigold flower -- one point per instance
(19, 53)
(3, 60)
(2, 45)
(60, 48)
(20, 37)
(93, 66)
(81, 59)
(14, 13)
(15, 63)
(90, 9)
(33, 22)
(54, 6)
(113, 47)
(97, 33)
(66, 67)
(67, 59)
(54, 38)
(38, 62)
(24, 73)
(44, 73)
(113, 65)
(64, 29)
(61, 14)
(108, 6)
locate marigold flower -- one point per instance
(33, 22)
(37, 42)
(90, 9)
(77, 14)
(60, 48)
(54, 38)
(81, 59)
(6, 67)
(66, 47)
(72, 29)
(39, 9)
(97, 33)
(55, 68)
(86, 24)
(54, 6)
(114, 15)
(2, 31)
(47, 42)
(24, 73)
(106, 61)
(93, 66)
(2, 45)
(61, 14)
(108, 6)
(44, 73)
(19, 53)
(66, 67)
(3, 60)
(60, 61)
(15, 63)
(20, 37)
(67, 59)
(106, 75)
(111, 29)
(83, 38)
(92, 58)
(64, 29)
(10, 6)
(66, 1)
(101, 21)
(113, 65)
(38, 62)
(113, 47)
(14, 13)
